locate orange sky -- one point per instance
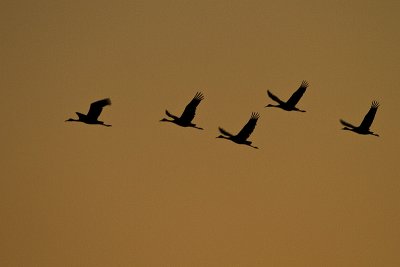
(145, 193)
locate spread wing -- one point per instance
(96, 108)
(225, 132)
(249, 127)
(295, 98)
(369, 117)
(190, 110)
(345, 123)
(274, 97)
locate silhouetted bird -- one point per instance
(185, 120)
(365, 124)
(241, 137)
(94, 112)
(293, 100)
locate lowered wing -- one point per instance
(274, 97)
(345, 123)
(225, 132)
(171, 115)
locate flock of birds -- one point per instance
(187, 116)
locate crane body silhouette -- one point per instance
(185, 120)
(289, 105)
(241, 137)
(363, 128)
(94, 112)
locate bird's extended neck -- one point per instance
(71, 119)
(164, 119)
(347, 128)
(272, 106)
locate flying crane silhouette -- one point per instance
(293, 100)
(93, 114)
(241, 137)
(185, 120)
(365, 124)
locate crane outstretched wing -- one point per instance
(295, 98)
(345, 123)
(249, 127)
(190, 110)
(96, 108)
(369, 117)
(225, 132)
(274, 97)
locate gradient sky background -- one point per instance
(145, 193)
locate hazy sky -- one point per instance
(145, 193)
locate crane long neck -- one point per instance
(272, 106)
(71, 119)
(164, 119)
(347, 128)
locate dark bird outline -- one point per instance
(93, 114)
(244, 134)
(289, 105)
(185, 120)
(363, 128)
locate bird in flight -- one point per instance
(241, 137)
(94, 112)
(293, 100)
(185, 120)
(365, 124)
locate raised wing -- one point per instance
(96, 108)
(294, 99)
(369, 117)
(249, 127)
(225, 132)
(190, 110)
(274, 97)
(345, 123)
